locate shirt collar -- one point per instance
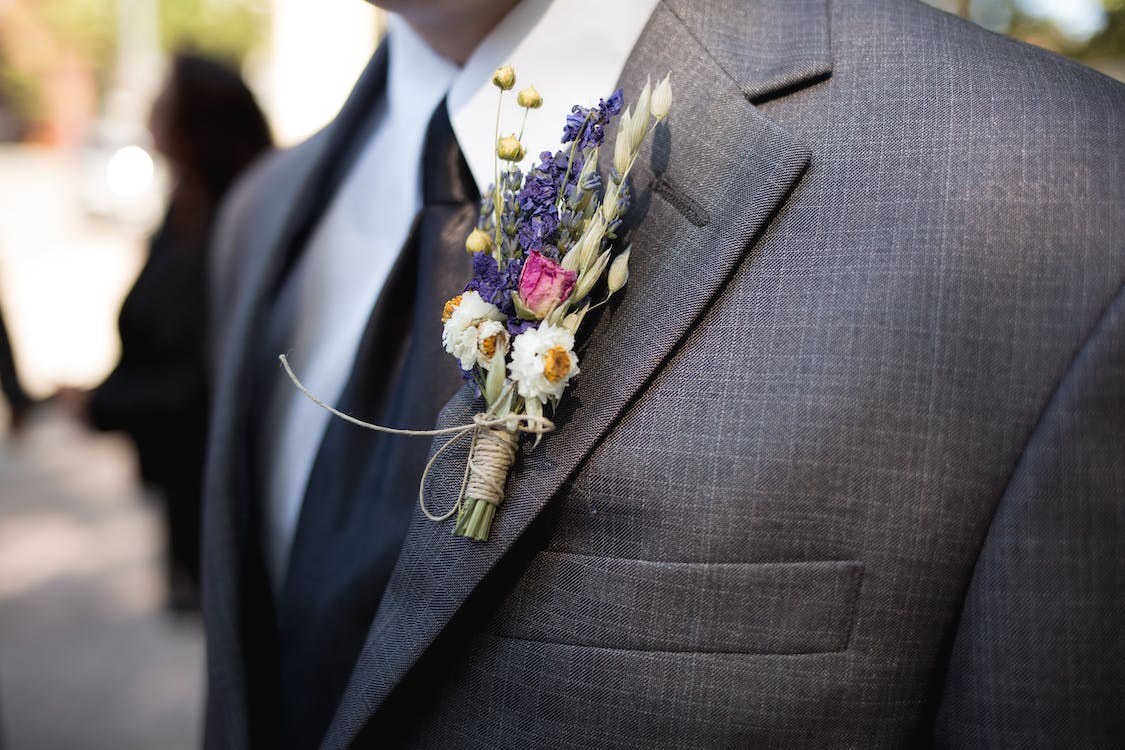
(571, 51)
(417, 77)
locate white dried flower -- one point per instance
(492, 342)
(464, 315)
(543, 362)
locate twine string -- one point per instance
(491, 452)
(489, 461)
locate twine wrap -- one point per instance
(491, 454)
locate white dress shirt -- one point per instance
(572, 51)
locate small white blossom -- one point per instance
(492, 342)
(543, 362)
(464, 317)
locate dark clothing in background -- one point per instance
(9, 379)
(157, 394)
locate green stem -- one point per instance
(496, 175)
(523, 125)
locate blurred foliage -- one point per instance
(85, 26)
(1110, 41)
(223, 29)
(42, 32)
(226, 29)
(20, 103)
(1104, 49)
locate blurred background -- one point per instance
(97, 646)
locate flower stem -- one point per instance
(523, 125)
(475, 520)
(496, 175)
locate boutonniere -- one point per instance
(544, 256)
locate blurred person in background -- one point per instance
(208, 126)
(19, 403)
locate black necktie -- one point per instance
(363, 486)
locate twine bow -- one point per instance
(489, 460)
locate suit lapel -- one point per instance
(301, 185)
(711, 181)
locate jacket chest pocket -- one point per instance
(640, 605)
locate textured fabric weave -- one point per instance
(842, 468)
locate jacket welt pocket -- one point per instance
(750, 608)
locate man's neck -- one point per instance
(455, 30)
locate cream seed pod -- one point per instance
(639, 121)
(662, 98)
(529, 98)
(590, 242)
(618, 272)
(510, 149)
(570, 260)
(504, 78)
(609, 201)
(623, 146)
(478, 242)
(590, 276)
(572, 321)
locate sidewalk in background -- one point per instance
(88, 659)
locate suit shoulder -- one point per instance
(918, 43)
(1020, 121)
(260, 184)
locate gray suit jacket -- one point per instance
(843, 468)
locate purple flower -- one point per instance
(536, 230)
(494, 285)
(538, 199)
(587, 126)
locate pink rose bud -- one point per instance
(544, 284)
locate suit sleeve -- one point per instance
(1039, 655)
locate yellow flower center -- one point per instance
(556, 364)
(450, 306)
(488, 346)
